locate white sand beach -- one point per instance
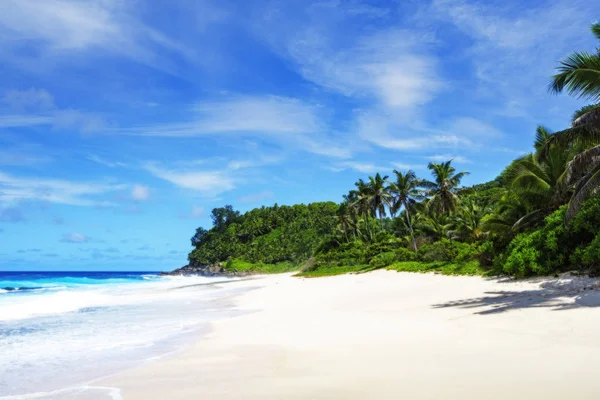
(388, 335)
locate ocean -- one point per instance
(59, 331)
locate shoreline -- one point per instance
(386, 335)
(216, 302)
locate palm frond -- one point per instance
(531, 219)
(542, 134)
(581, 163)
(595, 28)
(579, 75)
(587, 116)
(588, 185)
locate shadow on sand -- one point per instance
(556, 295)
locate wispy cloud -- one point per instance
(74, 237)
(23, 156)
(140, 193)
(390, 65)
(263, 115)
(196, 213)
(256, 197)
(106, 163)
(448, 157)
(24, 100)
(364, 167)
(36, 108)
(15, 189)
(290, 122)
(64, 28)
(208, 183)
(507, 38)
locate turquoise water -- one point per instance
(65, 329)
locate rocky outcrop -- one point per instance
(203, 270)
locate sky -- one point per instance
(124, 122)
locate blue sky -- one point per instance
(123, 123)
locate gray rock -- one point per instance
(203, 270)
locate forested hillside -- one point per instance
(266, 235)
(540, 216)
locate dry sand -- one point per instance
(388, 335)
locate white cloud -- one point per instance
(15, 121)
(14, 189)
(397, 133)
(263, 115)
(364, 167)
(62, 28)
(197, 212)
(391, 66)
(74, 237)
(403, 167)
(102, 161)
(207, 182)
(507, 38)
(22, 155)
(255, 197)
(37, 108)
(447, 157)
(22, 100)
(289, 122)
(140, 193)
(472, 127)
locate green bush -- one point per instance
(404, 254)
(437, 251)
(383, 260)
(588, 256)
(464, 252)
(542, 251)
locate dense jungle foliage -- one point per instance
(540, 216)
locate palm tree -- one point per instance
(469, 221)
(379, 197)
(579, 75)
(345, 220)
(435, 225)
(405, 192)
(442, 190)
(539, 181)
(362, 203)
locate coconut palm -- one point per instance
(405, 191)
(469, 220)
(379, 197)
(434, 225)
(579, 75)
(443, 198)
(539, 181)
(362, 203)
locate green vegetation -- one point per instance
(540, 216)
(267, 239)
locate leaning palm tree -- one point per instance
(579, 75)
(539, 182)
(442, 190)
(405, 192)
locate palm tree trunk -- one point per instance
(410, 228)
